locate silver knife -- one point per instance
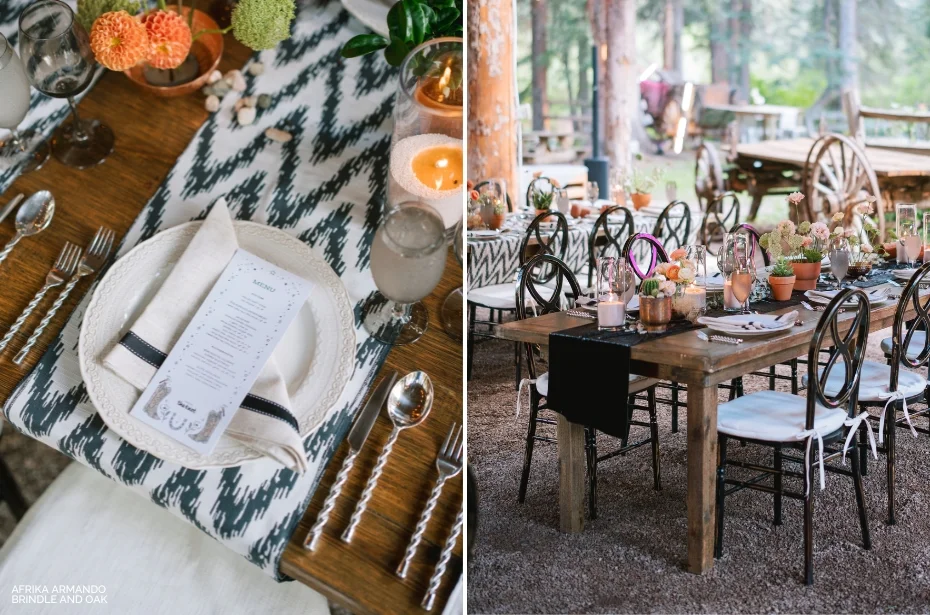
(16, 200)
(357, 436)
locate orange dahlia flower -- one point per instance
(169, 38)
(118, 40)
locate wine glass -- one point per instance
(60, 64)
(839, 259)
(743, 274)
(407, 261)
(492, 194)
(14, 105)
(592, 192)
(452, 313)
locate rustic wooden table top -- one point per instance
(793, 152)
(151, 133)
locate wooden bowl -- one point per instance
(208, 49)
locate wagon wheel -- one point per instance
(708, 175)
(838, 177)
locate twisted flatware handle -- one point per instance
(9, 246)
(317, 530)
(370, 487)
(440, 571)
(22, 317)
(421, 527)
(22, 354)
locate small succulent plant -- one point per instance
(543, 200)
(649, 287)
(782, 268)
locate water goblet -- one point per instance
(408, 257)
(592, 192)
(14, 105)
(839, 260)
(59, 63)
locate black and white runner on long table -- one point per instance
(324, 187)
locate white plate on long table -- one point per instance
(316, 356)
(737, 331)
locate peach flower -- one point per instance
(118, 40)
(169, 39)
(677, 254)
(672, 272)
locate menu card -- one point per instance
(197, 390)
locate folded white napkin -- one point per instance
(264, 421)
(750, 322)
(874, 294)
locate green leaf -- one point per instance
(396, 51)
(398, 22)
(419, 16)
(363, 44)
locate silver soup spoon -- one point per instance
(32, 218)
(408, 405)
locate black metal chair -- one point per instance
(499, 298)
(637, 245)
(608, 237)
(673, 227)
(546, 299)
(480, 185)
(755, 250)
(825, 417)
(722, 214)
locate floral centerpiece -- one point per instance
(655, 302)
(801, 245)
(680, 271)
(861, 251)
(542, 200)
(639, 185)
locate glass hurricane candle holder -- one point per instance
(906, 228)
(427, 164)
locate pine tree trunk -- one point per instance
(620, 80)
(673, 23)
(539, 12)
(493, 129)
(745, 49)
(718, 45)
(849, 69)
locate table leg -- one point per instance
(702, 467)
(571, 475)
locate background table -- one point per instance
(150, 135)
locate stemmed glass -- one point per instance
(909, 241)
(14, 105)
(491, 194)
(60, 64)
(592, 192)
(408, 257)
(451, 314)
(743, 274)
(839, 259)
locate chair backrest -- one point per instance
(843, 351)
(673, 227)
(479, 185)
(722, 213)
(902, 332)
(608, 236)
(543, 299)
(551, 239)
(754, 247)
(656, 251)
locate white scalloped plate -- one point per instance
(316, 355)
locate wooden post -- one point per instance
(620, 80)
(492, 99)
(702, 470)
(571, 475)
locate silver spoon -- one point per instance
(32, 218)
(408, 405)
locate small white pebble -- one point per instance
(256, 69)
(281, 136)
(245, 116)
(250, 101)
(214, 77)
(238, 81)
(239, 104)
(212, 104)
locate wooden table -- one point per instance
(700, 365)
(151, 133)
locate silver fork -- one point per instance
(449, 463)
(91, 262)
(60, 271)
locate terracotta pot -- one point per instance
(496, 221)
(545, 211)
(781, 287)
(208, 49)
(806, 274)
(640, 200)
(655, 313)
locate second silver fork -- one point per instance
(60, 271)
(449, 463)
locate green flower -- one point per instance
(262, 24)
(89, 10)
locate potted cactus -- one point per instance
(781, 279)
(655, 304)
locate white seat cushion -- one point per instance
(873, 384)
(496, 296)
(774, 416)
(641, 383)
(913, 349)
(88, 530)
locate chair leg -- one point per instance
(517, 361)
(809, 523)
(675, 389)
(794, 376)
(10, 492)
(778, 485)
(771, 378)
(590, 435)
(530, 441)
(654, 436)
(721, 477)
(890, 439)
(472, 311)
(863, 454)
(860, 497)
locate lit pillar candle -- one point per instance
(429, 169)
(611, 312)
(697, 296)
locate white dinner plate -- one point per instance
(315, 356)
(372, 13)
(737, 332)
(825, 301)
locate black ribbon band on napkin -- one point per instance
(155, 357)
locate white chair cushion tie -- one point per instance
(853, 424)
(893, 397)
(810, 434)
